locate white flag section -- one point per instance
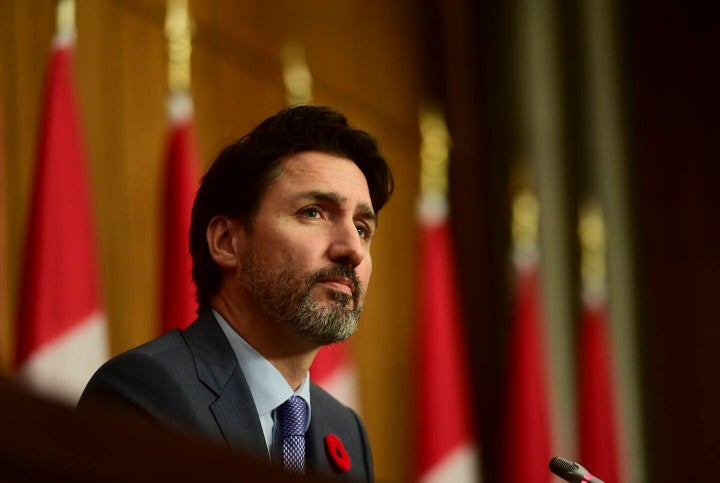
(460, 464)
(61, 326)
(63, 367)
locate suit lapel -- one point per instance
(217, 368)
(315, 442)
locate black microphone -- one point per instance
(571, 471)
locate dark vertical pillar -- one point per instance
(673, 93)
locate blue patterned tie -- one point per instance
(292, 424)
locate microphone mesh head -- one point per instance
(562, 467)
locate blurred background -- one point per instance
(575, 144)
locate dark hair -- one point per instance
(234, 184)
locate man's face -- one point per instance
(306, 261)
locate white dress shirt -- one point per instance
(268, 387)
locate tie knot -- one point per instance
(293, 416)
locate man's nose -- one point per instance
(346, 245)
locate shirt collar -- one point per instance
(268, 387)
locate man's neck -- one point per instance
(288, 352)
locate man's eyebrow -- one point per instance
(368, 213)
(364, 209)
(318, 195)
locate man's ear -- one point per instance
(223, 237)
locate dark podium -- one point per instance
(46, 442)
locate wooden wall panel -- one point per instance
(364, 58)
(101, 85)
(142, 113)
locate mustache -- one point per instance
(345, 271)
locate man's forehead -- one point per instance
(314, 171)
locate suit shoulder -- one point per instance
(169, 341)
(143, 375)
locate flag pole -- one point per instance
(65, 20)
(178, 32)
(296, 73)
(434, 152)
(525, 222)
(591, 232)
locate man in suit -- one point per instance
(280, 239)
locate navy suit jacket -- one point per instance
(191, 380)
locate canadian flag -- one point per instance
(526, 428)
(61, 325)
(446, 444)
(177, 306)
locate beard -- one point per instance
(287, 298)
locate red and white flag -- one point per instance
(526, 439)
(177, 306)
(334, 370)
(599, 445)
(61, 325)
(446, 446)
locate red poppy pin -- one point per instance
(337, 454)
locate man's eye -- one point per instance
(310, 212)
(363, 232)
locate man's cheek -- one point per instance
(364, 272)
